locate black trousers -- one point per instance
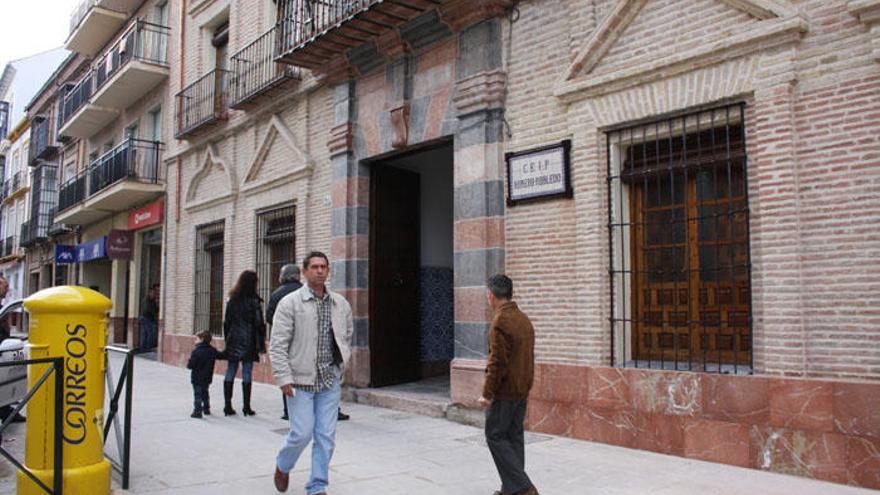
(201, 399)
(504, 434)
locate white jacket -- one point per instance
(293, 347)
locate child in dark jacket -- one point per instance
(201, 362)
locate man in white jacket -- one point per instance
(310, 348)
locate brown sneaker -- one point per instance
(281, 480)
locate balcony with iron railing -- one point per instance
(4, 119)
(43, 145)
(132, 66)
(313, 33)
(256, 75)
(94, 22)
(79, 117)
(44, 197)
(125, 176)
(202, 104)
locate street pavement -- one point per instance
(381, 451)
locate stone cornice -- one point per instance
(341, 139)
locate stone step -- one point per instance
(398, 401)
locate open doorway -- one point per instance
(411, 267)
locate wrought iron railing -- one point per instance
(202, 102)
(141, 41)
(254, 70)
(44, 196)
(303, 20)
(133, 159)
(77, 96)
(17, 183)
(8, 246)
(72, 192)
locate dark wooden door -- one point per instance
(394, 277)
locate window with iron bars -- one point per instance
(208, 314)
(678, 219)
(276, 246)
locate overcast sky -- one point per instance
(32, 26)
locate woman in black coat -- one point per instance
(245, 333)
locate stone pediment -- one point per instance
(212, 184)
(278, 159)
(620, 53)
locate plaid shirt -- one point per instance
(324, 364)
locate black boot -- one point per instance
(284, 400)
(246, 399)
(227, 397)
(206, 405)
(197, 410)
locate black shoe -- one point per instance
(341, 416)
(196, 414)
(285, 418)
(206, 412)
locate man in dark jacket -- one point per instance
(509, 375)
(289, 279)
(201, 362)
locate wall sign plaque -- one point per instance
(541, 173)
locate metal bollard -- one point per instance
(70, 322)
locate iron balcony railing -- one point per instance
(17, 183)
(142, 41)
(8, 246)
(7, 189)
(77, 96)
(42, 142)
(72, 192)
(202, 102)
(254, 70)
(25, 236)
(304, 20)
(132, 160)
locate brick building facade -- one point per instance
(707, 290)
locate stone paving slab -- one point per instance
(381, 451)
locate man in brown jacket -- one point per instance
(509, 375)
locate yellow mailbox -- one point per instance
(70, 322)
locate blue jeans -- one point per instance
(147, 333)
(201, 398)
(247, 368)
(312, 417)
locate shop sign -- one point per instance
(119, 245)
(539, 173)
(65, 255)
(146, 216)
(92, 250)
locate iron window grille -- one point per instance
(276, 246)
(678, 222)
(208, 311)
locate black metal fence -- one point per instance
(202, 102)
(115, 388)
(56, 369)
(679, 243)
(77, 96)
(254, 70)
(133, 159)
(9, 246)
(72, 192)
(142, 41)
(303, 20)
(44, 197)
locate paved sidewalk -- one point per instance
(381, 451)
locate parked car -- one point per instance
(13, 379)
